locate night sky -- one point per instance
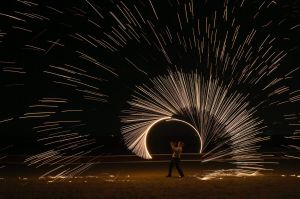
(33, 47)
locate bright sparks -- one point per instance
(224, 120)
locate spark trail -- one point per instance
(61, 130)
(243, 48)
(225, 121)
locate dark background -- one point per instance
(19, 91)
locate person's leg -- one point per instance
(170, 167)
(177, 164)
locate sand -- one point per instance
(147, 180)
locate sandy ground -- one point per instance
(147, 180)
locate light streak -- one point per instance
(66, 144)
(230, 54)
(224, 122)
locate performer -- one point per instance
(175, 160)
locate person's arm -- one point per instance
(172, 145)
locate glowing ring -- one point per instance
(164, 119)
(210, 109)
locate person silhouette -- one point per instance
(175, 160)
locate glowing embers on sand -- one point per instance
(224, 120)
(220, 174)
(102, 177)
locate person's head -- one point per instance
(180, 144)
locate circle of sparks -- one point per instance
(225, 122)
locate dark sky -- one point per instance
(31, 82)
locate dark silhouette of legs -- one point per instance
(171, 167)
(175, 161)
(179, 169)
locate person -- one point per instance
(175, 160)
